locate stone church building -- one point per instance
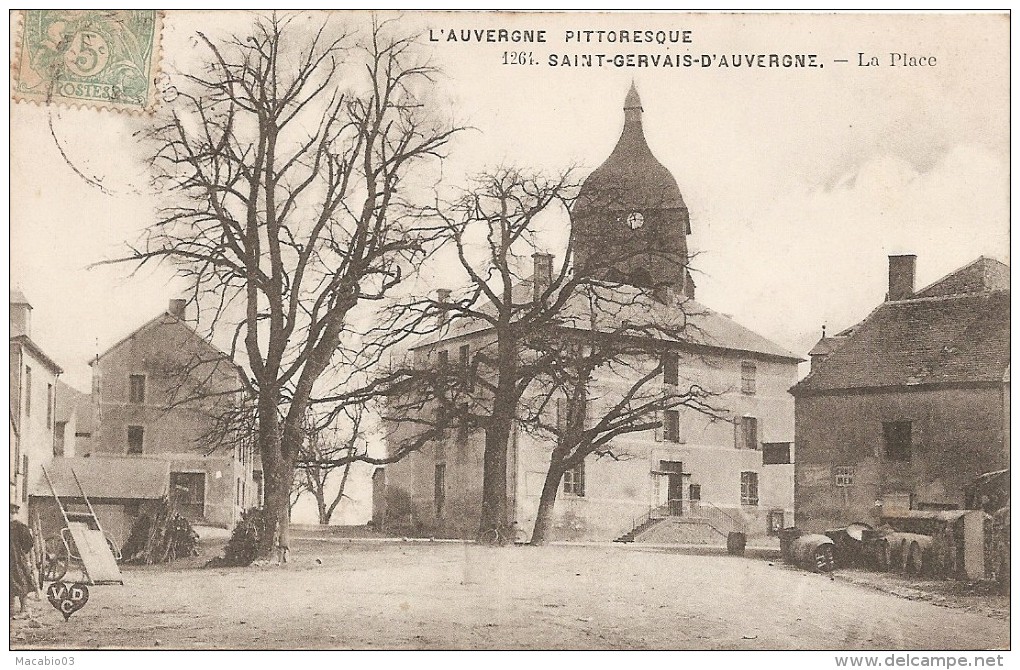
(694, 479)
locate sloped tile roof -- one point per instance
(164, 319)
(984, 274)
(72, 401)
(931, 339)
(123, 477)
(825, 346)
(702, 326)
(26, 341)
(18, 298)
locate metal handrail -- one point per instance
(689, 509)
(738, 524)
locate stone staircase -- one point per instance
(633, 533)
(682, 522)
(675, 530)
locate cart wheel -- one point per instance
(55, 560)
(113, 549)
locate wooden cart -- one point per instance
(82, 541)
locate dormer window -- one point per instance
(635, 220)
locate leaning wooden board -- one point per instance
(100, 565)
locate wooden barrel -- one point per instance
(814, 552)
(735, 543)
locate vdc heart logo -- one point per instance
(67, 598)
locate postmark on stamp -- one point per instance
(90, 58)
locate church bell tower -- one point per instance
(630, 223)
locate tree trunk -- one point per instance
(278, 515)
(494, 497)
(277, 483)
(339, 494)
(544, 519)
(494, 524)
(290, 446)
(320, 503)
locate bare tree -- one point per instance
(522, 299)
(282, 162)
(498, 214)
(603, 379)
(327, 449)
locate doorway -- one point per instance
(673, 486)
(190, 489)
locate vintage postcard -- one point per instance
(353, 330)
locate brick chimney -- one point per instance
(443, 296)
(176, 307)
(542, 277)
(901, 277)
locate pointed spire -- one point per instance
(633, 100)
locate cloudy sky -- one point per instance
(800, 182)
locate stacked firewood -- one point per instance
(161, 537)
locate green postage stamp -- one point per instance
(90, 58)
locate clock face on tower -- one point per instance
(635, 220)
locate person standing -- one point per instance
(21, 568)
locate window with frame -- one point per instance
(570, 412)
(136, 389)
(464, 360)
(775, 453)
(695, 492)
(189, 487)
(670, 369)
(747, 432)
(776, 521)
(671, 425)
(843, 475)
(464, 423)
(136, 438)
(50, 403)
(28, 391)
(748, 488)
(440, 489)
(675, 467)
(573, 480)
(440, 420)
(748, 377)
(443, 358)
(897, 440)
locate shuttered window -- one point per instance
(748, 377)
(671, 425)
(136, 389)
(670, 369)
(136, 436)
(745, 432)
(440, 489)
